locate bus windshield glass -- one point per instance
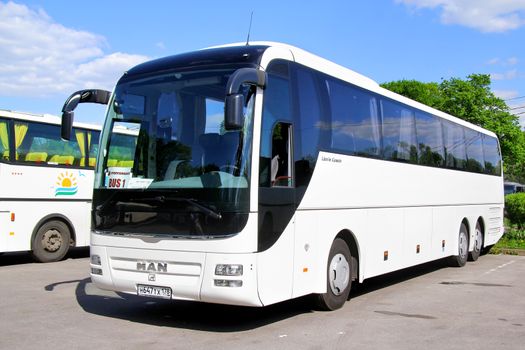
(168, 166)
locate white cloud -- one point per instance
(104, 71)
(40, 57)
(508, 75)
(506, 94)
(482, 15)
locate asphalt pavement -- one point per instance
(432, 306)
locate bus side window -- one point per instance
(280, 165)
(276, 108)
(4, 140)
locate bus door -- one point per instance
(276, 215)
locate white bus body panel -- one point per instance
(406, 206)
(411, 212)
(30, 193)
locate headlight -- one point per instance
(228, 283)
(96, 271)
(228, 270)
(95, 260)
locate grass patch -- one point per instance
(513, 238)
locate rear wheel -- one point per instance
(478, 244)
(460, 259)
(51, 241)
(339, 277)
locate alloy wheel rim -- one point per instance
(339, 274)
(463, 244)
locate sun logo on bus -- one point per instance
(66, 184)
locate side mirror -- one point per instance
(233, 112)
(82, 96)
(234, 103)
(67, 125)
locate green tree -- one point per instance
(427, 93)
(472, 100)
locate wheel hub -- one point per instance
(52, 240)
(478, 241)
(339, 274)
(463, 244)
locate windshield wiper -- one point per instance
(134, 206)
(202, 208)
(104, 205)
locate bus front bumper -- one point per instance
(207, 277)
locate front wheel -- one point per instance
(339, 277)
(51, 241)
(460, 259)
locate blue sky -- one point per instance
(52, 48)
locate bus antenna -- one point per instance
(249, 30)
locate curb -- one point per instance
(510, 251)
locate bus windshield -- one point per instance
(168, 164)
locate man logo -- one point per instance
(152, 267)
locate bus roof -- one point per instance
(328, 67)
(43, 118)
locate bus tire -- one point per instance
(478, 244)
(51, 241)
(461, 259)
(339, 277)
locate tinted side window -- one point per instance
(88, 145)
(4, 139)
(355, 120)
(491, 155)
(41, 143)
(455, 151)
(429, 139)
(399, 132)
(276, 107)
(93, 138)
(475, 161)
(308, 124)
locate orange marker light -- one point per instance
(305, 269)
(12, 216)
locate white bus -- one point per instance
(264, 173)
(45, 185)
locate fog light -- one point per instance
(95, 260)
(228, 270)
(96, 271)
(228, 283)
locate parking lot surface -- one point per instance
(479, 306)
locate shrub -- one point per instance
(515, 207)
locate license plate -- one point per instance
(154, 291)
